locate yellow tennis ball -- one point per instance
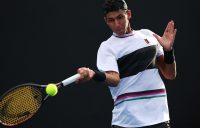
(51, 89)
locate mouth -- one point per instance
(119, 32)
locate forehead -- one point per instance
(114, 14)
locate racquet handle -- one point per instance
(70, 79)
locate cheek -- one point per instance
(123, 24)
(111, 26)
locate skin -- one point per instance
(118, 22)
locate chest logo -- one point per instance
(146, 41)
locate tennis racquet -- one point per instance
(20, 103)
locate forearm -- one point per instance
(112, 78)
(109, 77)
(170, 64)
(169, 71)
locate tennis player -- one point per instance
(129, 61)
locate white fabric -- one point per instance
(135, 113)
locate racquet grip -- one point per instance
(70, 79)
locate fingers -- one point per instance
(170, 27)
(85, 74)
(175, 30)
(172, 30)
(167, 27)
(174, 34)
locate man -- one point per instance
(129, 61)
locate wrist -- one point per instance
(99, 76)
(169, 56)
(168, 49)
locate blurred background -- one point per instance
(46, 41)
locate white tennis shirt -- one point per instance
(140, 98)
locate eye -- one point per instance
(110, 20)
(120, 17)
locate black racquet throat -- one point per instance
(20, 103)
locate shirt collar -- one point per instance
(125, 35)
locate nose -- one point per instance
(117, 24)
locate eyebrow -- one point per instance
(114, 17)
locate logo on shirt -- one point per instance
(146, 41)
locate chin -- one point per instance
(120, 33)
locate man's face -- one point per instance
(118, 21)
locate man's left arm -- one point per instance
(167, 70)
(166, 62)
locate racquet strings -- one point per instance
(19, 104)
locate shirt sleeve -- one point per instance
(106, 59)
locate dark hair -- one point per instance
(114, 5)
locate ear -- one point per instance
(105, 19)
(129, 13)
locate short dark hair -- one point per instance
(114, 5)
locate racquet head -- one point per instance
(20, 103)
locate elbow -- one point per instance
(170, 78)
(117, 82)
(114, 83)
